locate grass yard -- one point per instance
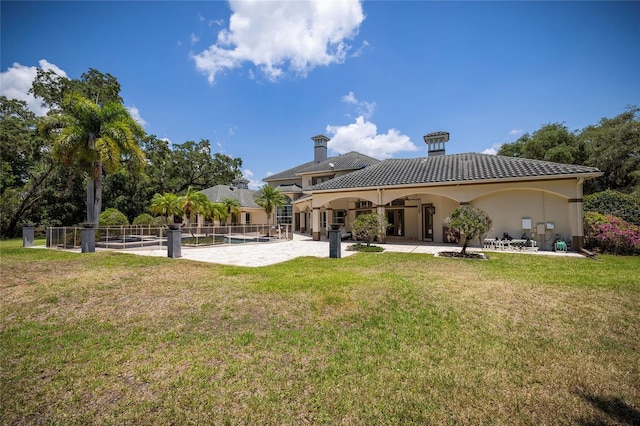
(112, 338)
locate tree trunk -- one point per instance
(464, 246)
(98, 193)
(90, 199)
(91, 185)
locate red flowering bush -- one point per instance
(610, 234)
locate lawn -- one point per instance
(374, 338)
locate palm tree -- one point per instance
(165, 205)
(192, 202)
(231, 206)
(98, 138)
(214, 211)
(269, 198)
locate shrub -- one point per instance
(113, 217)
(144, 219)
(614, 203)
(368, 226)
(610, 234)
(364, 248)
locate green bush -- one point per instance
(610, 234)
(365, 248)
(614, 203)
(144, 219)
(368, 226)
(113, 217)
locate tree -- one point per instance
(192, 202)
(97, 138)
(471, 222)
(26, 169)
(552, 142)
(214, 211)
(193, 165)
(52, 88)
(232, 206)
(166, 204)
(368, 226)
(269, 198)
(613, 146)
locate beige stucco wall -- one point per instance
(507, 203)
(507, 209)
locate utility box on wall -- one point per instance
(526, 223)
(540, 228)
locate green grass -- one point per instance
(390, 338)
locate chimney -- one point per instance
(435, 142)
(319, 148)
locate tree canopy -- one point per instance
(36, 187)
(269, 198)
(612, 145)
(94, 138)
(470, 221)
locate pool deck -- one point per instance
(263, 254)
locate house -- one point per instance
(250, 212)
(292, 182)
(537, 199)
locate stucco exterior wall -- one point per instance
(507, 209)
(507, 203)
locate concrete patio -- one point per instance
(263, 254)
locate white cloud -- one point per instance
(350, 98)
(17, 80)
(135, 114)
(253, 183)
(194, 38)
(280, 36)
(515, 132)
(361, 49)
(493, 150)
(362, 136)
(364, 108)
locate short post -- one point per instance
(28, 234)
(334, 241)
(88, 240)
(174, 249)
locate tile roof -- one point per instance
(349, 161)
(219, 193)
(290, 188)
(450, 168)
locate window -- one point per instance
(284, 214)
(319, 179)
(247, 218)
(339, 216)
(364, 205)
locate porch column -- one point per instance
(200, 222)
(576, 218)
(315, 223)
(382, 212)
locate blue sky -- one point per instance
(259, 78)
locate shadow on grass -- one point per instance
(616, 409)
